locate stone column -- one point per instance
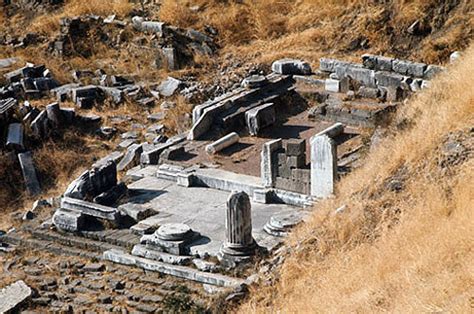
(323, 165)
(269, 163)
(239, 244)
(224, 142)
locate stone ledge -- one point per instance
(121, 257)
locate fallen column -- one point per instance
(29, 173)
(239, 244)
(223, 142)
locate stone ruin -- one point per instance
(185, 207)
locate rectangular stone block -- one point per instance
(301, 175)
(260, 117)
(295, 147)
(136, 211)
(388, 79)
(12, 296)
(296, 161)
(281, 157)
(332, 85)
(409, 68)
(284, 171)
(68, 220)
(90, 209)
(263, 196)
(29, 173)
(323, 165)
(269, 162)
(131, 158)
(15, 136)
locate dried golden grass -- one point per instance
(400, 252)
(50, 22)
(263, 30)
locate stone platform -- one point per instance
(203, 209)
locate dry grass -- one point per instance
(50, 22)
(264, 30)
(407, 251)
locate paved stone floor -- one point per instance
(203, 209)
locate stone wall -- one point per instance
(293, 174)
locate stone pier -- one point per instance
(239, 244)
(269, 162)
(324, 161)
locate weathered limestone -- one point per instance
(232, 106)
(223, 142)
(279, 225)
(170, 57)
(454, 57)
(143, 251)
(432, 70)
(254, 81)
(29, 173)
(336, 85)
(101, 178)
(324, 161)
(39, 126)
(91, 209)
(269, 162)
(131, 158)
(409, 68)
(13, 296)
(68, 220)
(378, 63)
(171, 238)
(80, 187)
(15, 136)
(148, 26)
(260, 117)
(54, 114)
(239, 244)
(225, 180)
(136, 211)
(169, 86)
(291, 66)
(174, 270)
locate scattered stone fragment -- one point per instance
(29, 173)
(169, 86)
(12, 296)
(291, 66)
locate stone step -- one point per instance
(143, 251)
(91, 209)
(119, 237)
(48, 246)
(72, 241)
(121, 257)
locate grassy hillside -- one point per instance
(404, 241)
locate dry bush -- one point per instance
(406, 251)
